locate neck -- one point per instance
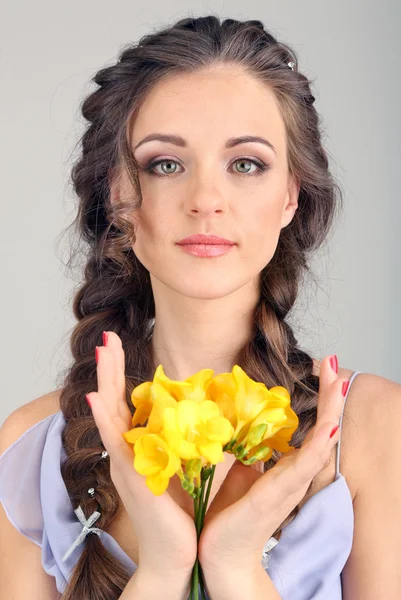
(191, 334)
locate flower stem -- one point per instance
(200, 505)
(202, 583)
(195, 572)
(209, 487)
(199, 510)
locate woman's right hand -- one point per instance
(166, 533)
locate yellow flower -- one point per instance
(141, 399)
(190, 423)
(272, 429)
(160, 399)
(190, 429)
(239, 397)
(192, 388)
(262, 419)
(196, 430)
(155, 460)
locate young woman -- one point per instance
(204, 129)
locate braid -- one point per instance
(273, 357)
(113, 309)
(117, 295)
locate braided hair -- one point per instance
(116, 293)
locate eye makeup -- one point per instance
(261, 167)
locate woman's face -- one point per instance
(203, 186)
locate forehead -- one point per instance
(209, 105)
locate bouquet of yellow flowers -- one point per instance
(191, 423)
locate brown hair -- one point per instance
(117, 295)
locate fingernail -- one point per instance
(88, 401)
(105, 338)
(334, 430)
(345, 387)
(334, 363)
(97, 354)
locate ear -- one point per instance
(291, 201)
(118, 184)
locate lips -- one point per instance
(200, 238)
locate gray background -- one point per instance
(48, 53)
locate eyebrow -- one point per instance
(230, 143)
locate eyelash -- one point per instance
(262, 167)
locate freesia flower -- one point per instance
(192, 388)
(195, 429)
(262, 418)
(155, 460)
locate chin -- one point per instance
(207, 288)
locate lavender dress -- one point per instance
(305, 564)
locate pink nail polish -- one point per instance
(105, 338)
(334, 363)
(345, 387)
(88, 401)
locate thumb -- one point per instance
(238, 481)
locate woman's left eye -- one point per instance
(260, 166)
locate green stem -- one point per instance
(195, 581)
(195, 573)
(202, 583)
(200, 505)
(209, 487)
(191, 592)
(199, 511)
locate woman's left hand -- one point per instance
(250, 504)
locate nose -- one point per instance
(206, 200)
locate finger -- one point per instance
(106, 377)
(331, 396)
(114, 344)
(327, 376)
(313, 456)
(238, 481)
(109, 406)
(110, 429)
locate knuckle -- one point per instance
(323, 460)
(109, 387)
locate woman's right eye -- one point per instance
(152, 165)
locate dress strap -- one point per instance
(353, 376)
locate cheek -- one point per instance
(154, 231)
(262, 225)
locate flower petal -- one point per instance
(213, 452)
(141, 393)
(133, 435)
(177, 389)
(219, 429)
(157, 484)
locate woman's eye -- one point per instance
(170, 168)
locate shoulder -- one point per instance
(373, 447)
(21, 568)
(26, 416)
(371, 418)
(373, 422)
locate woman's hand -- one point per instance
(166, 533)
(250, 504)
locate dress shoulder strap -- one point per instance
(352, 378)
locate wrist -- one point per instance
(236, 584)
(153, 585)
